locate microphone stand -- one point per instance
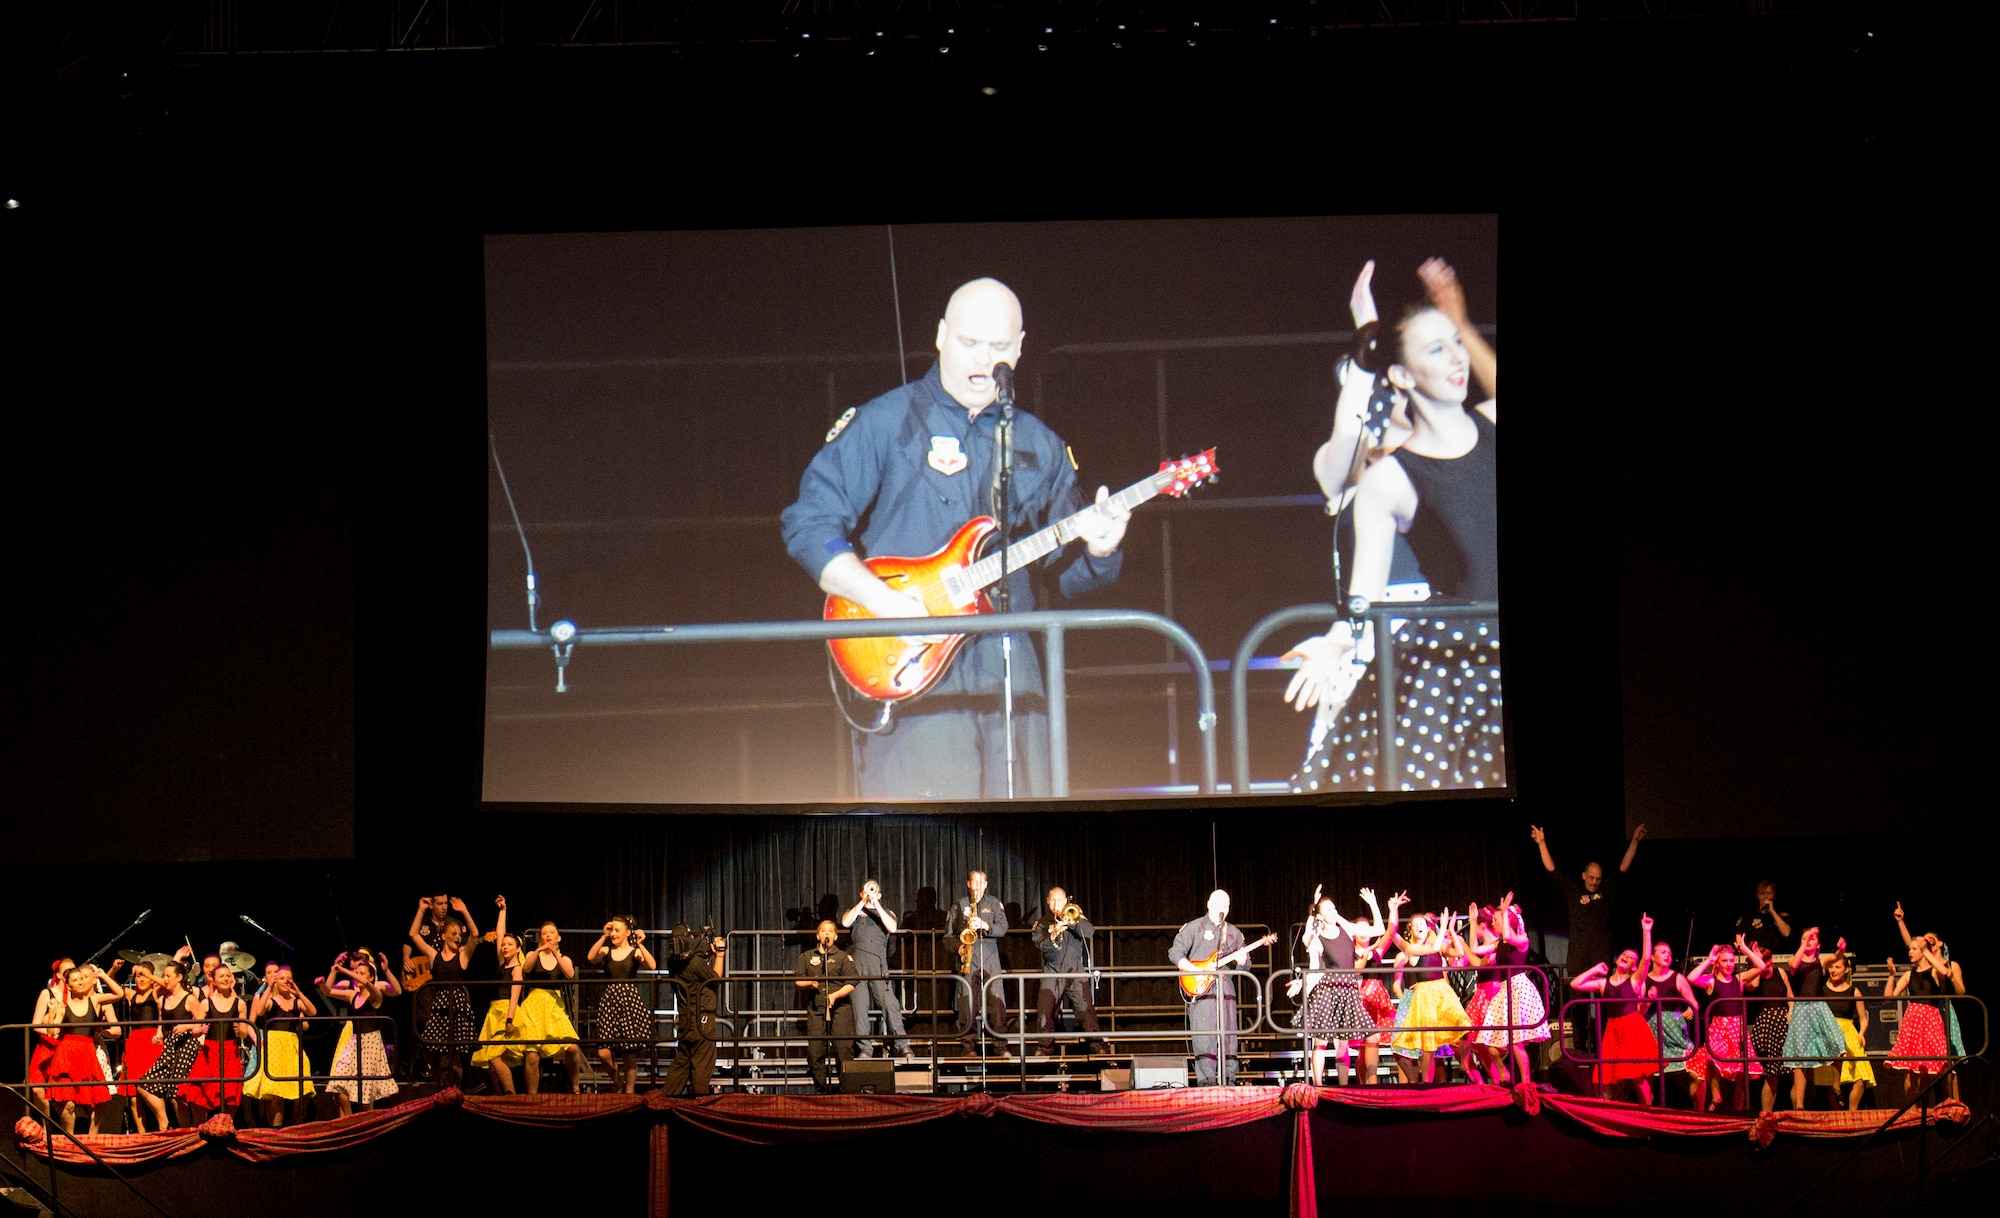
(253, 923)
(92, 958)
(1003, 498)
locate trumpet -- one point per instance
(1072, 914)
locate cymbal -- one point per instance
(238, 961)
(131, 955)
(157, 959)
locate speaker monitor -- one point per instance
(868, 1077)
(914, 1081)
(1152, 1071)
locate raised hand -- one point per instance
(1442, 286)
(458, 904)
(500, 901)
(1535, 832)
(1368, 895)
(1899, 911)
(1361, 302)
(1645, 921)
(1840, 945)
(1639, 834)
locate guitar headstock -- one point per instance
(1189, 472)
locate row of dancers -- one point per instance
(1805, 1017)
(187, 1039)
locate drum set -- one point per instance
(233, 958)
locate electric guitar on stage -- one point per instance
(1198, 984)
(952, 583)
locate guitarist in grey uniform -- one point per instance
(1211, 937)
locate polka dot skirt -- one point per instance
(1447, 731)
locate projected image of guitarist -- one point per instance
(904, 475)
(1202, 949)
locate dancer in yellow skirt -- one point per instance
(1850, 1015)
(528, 1019)
(1436, 1018)
(281, 1011)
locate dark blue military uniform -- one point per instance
(898, 476)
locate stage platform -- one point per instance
(1245, 1149)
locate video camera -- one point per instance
(688, 944)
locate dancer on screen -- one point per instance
(1424, 468)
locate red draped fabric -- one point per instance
(785, 1120)
(1638, 1121)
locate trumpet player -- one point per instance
(1063, 935)
(870, 924)
(984, 916)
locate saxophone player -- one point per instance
(982, 914)
(1063, 935)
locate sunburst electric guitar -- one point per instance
(1197, 984)
(952, 583)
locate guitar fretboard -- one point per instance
(1039, 545)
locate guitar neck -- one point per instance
(1039, 545)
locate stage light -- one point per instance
(12, 204)
(989, 90)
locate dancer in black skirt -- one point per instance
(180, 1044)
(449, 1025)
(624, 1017)
(1333, 998)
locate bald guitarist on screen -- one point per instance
(1203, 948)
(911, 473)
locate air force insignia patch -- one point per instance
(945, 456)
(840, 424)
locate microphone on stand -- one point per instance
(1003, 384)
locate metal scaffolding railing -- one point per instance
(1052, 624)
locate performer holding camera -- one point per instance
(827, 974)
(1063, 935)
(697, 964)
(870, 926)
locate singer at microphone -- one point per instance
(900, 476)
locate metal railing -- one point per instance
(1380, 616)
(1386, 972)
(938, 950)
(1052, 624)
(1193, 1036)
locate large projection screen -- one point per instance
(706, 427)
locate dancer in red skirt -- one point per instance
(142, 1043)
(1627, 1035)
(1923, 1035)
(74, 1074)
(1727, 1037)
(220, 1062)
(45, 1039)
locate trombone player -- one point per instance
(977, 921)
(1063, 935)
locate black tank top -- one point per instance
(1808, 981)
(1845, 1001)
(278, 1019)
(1511, 956)
(622, 970)
(143, 1008)
(446, 969)
(539, 978)
(1455, 534)
(1922, 987)
(1727, 1001)
(1627, 989)
(1429, 968)
(222, 1020)
(79, 1025)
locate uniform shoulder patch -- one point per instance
(1071, 454)
(840, 424)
